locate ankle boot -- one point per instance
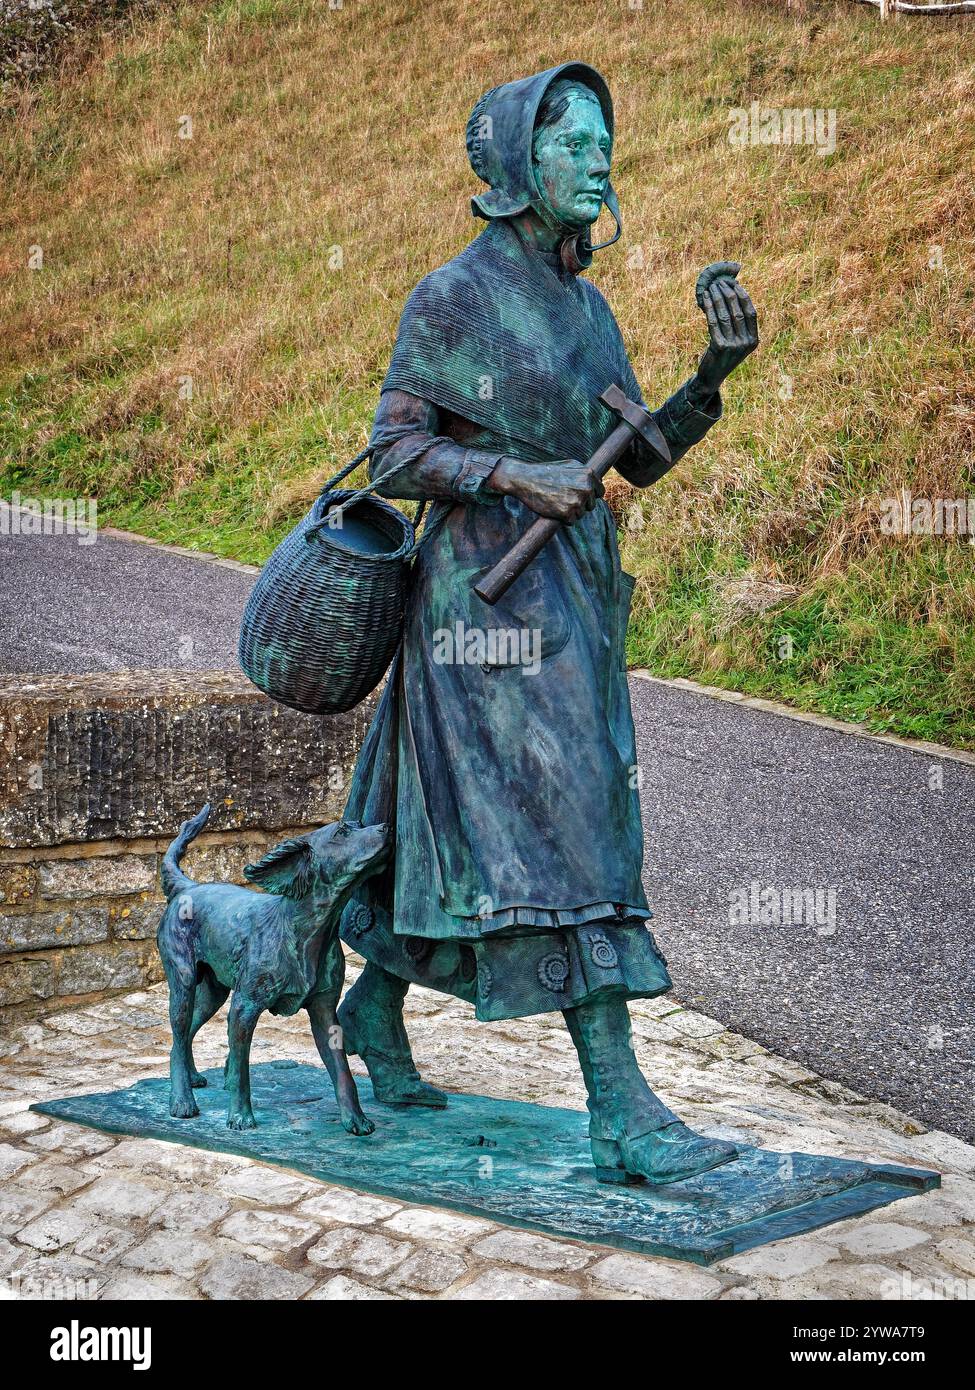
(633, 1135)
(371, 1019)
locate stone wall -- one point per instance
(96, 775)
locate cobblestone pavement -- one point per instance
(86, 1214)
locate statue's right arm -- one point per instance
(406, 430)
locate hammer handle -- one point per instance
(499, 580)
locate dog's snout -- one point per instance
(378, 837)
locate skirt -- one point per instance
(523, 971)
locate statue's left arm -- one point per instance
(690, 412)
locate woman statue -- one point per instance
(503, 747)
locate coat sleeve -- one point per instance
(682, 424)
(405, 436)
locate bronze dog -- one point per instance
(276, 950)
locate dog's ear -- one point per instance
(286, 869)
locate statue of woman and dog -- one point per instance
(507, 769)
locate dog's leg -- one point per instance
(176, 954)
(244, 1014)
(181, 1102)
(209, 997)
(328, 1040)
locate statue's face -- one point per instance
(572, 162)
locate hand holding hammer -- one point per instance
(633, 420)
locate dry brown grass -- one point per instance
(314, 128)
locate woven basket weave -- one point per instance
(324, 620)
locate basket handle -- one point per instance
(367, 452)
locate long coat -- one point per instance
(503, 748)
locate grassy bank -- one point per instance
(204, 338)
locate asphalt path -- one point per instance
(113, 605)
(812, 889)
(873, 983)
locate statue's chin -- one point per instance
(578, 222)
(586, 214)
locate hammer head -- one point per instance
(639, 419)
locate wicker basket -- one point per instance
(325, 617)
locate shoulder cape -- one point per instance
(496, 337)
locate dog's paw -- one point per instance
(198, 1080)
(357, 1123)
(241, 1120)
(183, 1109)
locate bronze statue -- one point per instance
(492, 845)
(503, 749)
(277, 950)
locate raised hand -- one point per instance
(732, 325)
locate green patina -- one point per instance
(521, 1164)
(511, 781)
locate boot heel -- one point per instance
(618, 1175)
(608, 1162)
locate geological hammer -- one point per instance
(634, 420)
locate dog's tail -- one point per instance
(173, 879)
